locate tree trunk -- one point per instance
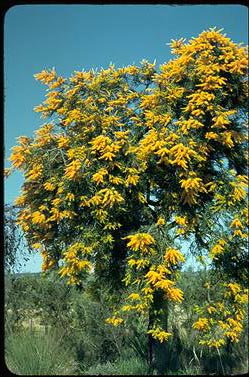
(157, 352)
(151, 358)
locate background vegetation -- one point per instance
(54, 329)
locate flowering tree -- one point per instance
(132, 163)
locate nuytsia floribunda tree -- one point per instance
(133, 163)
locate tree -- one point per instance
(12, 238)
(134, 162)
(20, 305)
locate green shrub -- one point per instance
(37, 354)
(189, 371)
(132, 366)
(93, 340)
(107, 369)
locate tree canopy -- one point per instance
(134, 162)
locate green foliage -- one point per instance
(13, 239)
(92, 339)
(132, 366)
(96, 347)
(55, 300)
(20, 302)
(38, 354)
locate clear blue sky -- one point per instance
(73, 37)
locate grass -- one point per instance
(131, 366)
(38, 354)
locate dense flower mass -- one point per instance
(132, 162)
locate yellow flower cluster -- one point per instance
(217, 249)
(72, 169)
(213, 343)
(18, 156)
(46, 77)
(173, 256)
(106, 198)
(49, 186)
(138, 263)
(115, 321)
(224, 319)
(183, 224)
(201, 324)
(181, 155)
(159, 279)
(38, 217)
(99, 176)
(140, 241)
(62, 141)
(105, 146)
(159, 334)
(160, 221)
(192, 186)
(73, 262)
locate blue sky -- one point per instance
(76, 37)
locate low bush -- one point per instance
(38, 354)
(132, 366)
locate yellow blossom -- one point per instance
(115, 321)
(70, 197)
(84, 264)
(7, 172)
(134, 296)
(211, 309)
(181, 220)
(164, 284)
(138, 263)
(36, 245)
(160, 221)
(234, 288)
(38, 217)
(72, 169)
(62, 141)
(109, 197)
(20, 200)
(236, 223)
(153, 277)
(46, 77)
(201, 324)
(218, 248)
(56, 201)
(131, 180)
(49, 186)
(115, 180)
(34, 173)
(159, 334)
(98, 177)
(140, 241)
(108, 156)
(238, 232)
(174, 294)
(173, 256)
